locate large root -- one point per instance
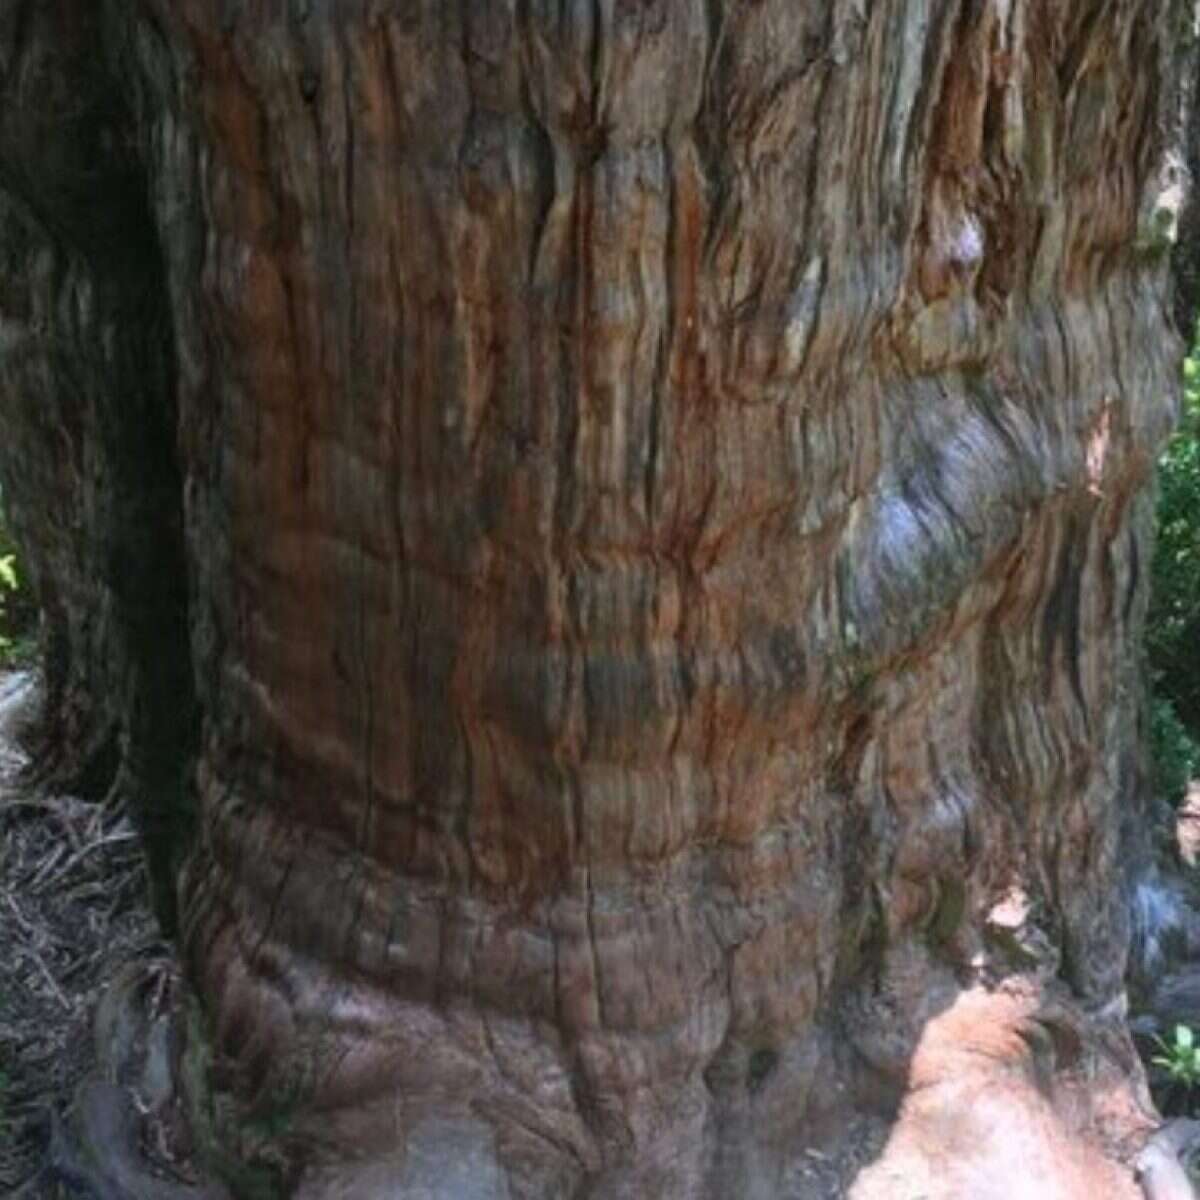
(97, 1151)
(1161, 1166)
(991, 1112)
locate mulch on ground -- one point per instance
(73, 908)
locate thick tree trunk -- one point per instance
(663, 505)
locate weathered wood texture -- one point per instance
(664, 515)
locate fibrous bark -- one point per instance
(663, 512)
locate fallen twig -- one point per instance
(111, 839)
(31, 952)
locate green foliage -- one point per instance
(1173, 619)
(1180, 1058)
(1174, 752)
(1175, 597)
(10, 585)
(17, 612)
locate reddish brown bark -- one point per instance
(664, 507)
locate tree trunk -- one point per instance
(659, 488)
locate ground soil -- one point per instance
(73, 910)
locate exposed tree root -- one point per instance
(1161, 1166)
(98, 1152)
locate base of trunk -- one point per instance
(1012, 1091)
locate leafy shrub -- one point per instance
(18, 614)
(1174, 752)
(1180, 1058)
(10, 585)
(1173, 620)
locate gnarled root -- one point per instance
(97, 1150)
